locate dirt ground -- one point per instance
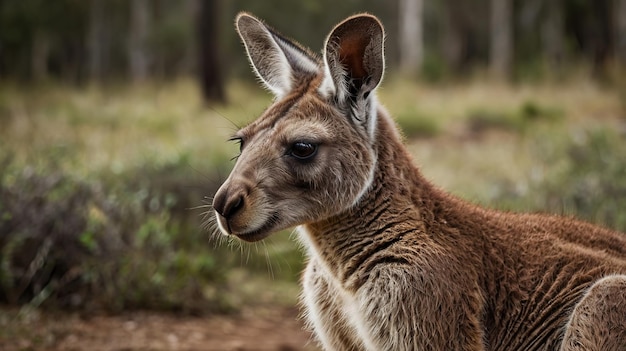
(259, 329)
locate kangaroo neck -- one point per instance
(390, 207)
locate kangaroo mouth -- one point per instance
(261, 233)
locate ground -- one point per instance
(266, 329)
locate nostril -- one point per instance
(228, 201)
(232, 206)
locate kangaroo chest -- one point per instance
(333, 312)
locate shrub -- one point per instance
(594, 184)
(588, 180)
(415, 124)
(519, 120)
(82, 243)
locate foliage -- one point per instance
(433, 69)
(66, 39)
(416, 124)
(594, 183)
(517, 121)
(588, 180)
(86, 243)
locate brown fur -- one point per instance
(394, 262)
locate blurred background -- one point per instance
(114, 116)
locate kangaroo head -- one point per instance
(310, 154)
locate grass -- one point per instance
(450, 105)
(416, 124)
(518, 120)
(127, 165)
(120, 128)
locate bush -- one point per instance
(433, 69)
(519, 120)
(594, 184)
(81, 243)
(415, 124)
(588, 181)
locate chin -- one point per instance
(258, 234)
(253, 236)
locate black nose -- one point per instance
(228, 202)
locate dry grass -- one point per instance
(118, 128)
(477, 165)
(450, 104)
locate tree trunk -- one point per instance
(138, 43)
(620, 31)
(501, 39)
(39, 56)
(411, 35)
(211, 80)
(552, 34)
(452, 41)
(603, 37)
(95, 40)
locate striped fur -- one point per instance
(394, 262)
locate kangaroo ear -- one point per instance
(354, 58)
(277, 61)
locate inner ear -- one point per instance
(351, 53)
(354, 57)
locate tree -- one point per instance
(552, 35)
(501, 38)
(411, 46)
(601, 36)
(620, 31)
(138, 43)
(95, 40)
(39, 55)
(211, 80)
(454, 34)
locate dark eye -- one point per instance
(303, 151)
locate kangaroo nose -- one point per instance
(228, 203)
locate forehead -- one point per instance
(301, 112)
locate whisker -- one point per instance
(205, 176)
(248, 255)
(268, 261)
(235, 125)
(199, 207)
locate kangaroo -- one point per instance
(395, 263)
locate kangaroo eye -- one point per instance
(303, 151)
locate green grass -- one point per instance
(112, 175)
(518, 120)
(416, 124)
